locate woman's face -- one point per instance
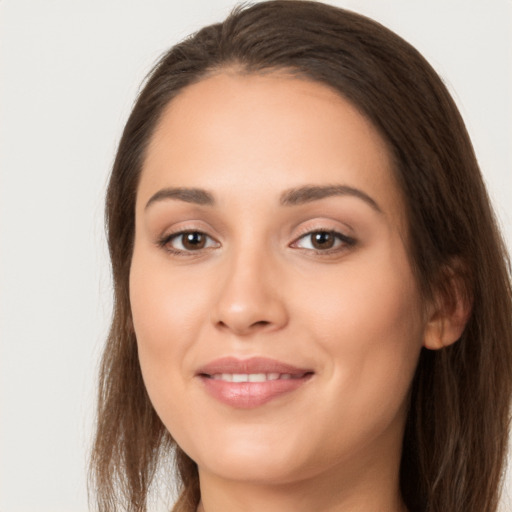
(277, 318)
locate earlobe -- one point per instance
(449, 313)
(444, 331)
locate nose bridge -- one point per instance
(250, 297)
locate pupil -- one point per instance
(193, 240)
(323, 240)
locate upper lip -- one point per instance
(251, 365)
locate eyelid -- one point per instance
(346, 241)
(343, 241)
(164, 241)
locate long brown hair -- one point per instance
(456, 432)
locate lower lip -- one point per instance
(247, 395)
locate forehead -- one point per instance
(270, 132)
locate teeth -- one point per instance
(257, 377)
(252, 377)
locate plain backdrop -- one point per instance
(70, 70)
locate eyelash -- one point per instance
(345, 242)
(165, 241)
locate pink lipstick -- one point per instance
(248, 383)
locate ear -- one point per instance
(449, 310)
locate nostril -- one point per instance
(244, 328)
(261, 323)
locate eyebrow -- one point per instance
(311, 193)
(292, 197)
(188, 195)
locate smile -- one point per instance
(253, 377)
(250, 383)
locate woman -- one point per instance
(312, 304)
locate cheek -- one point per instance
(367, 302)
(165, 311)
(368, 324)
(163, 302)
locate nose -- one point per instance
(250, 298)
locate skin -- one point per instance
(258, 287)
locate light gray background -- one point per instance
(70, 70)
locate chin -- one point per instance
(254, 469)
(249, 458)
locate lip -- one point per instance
(246, 395)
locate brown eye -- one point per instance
(323, 240)
(187, 241)
(193, 240)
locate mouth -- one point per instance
(249, 383)
(254, 377)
